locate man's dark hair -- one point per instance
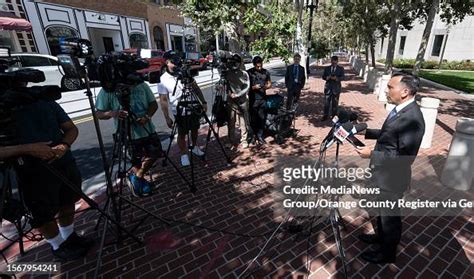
(334, 58)
(257, 59)
(412, 82)
(297, 55)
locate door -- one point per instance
(48, 66)
(177, 43)
(108, 44)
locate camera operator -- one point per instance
(171, 90)
(146, 146)
(259, 81)
(239, 83)
(45, 133)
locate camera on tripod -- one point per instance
(225, 61)
(183, 70)
(14, 94)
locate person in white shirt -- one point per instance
(171, 96)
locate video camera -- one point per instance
(226, 61)
(183, 70)
(113, 71)
(14, 94)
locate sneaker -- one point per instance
(80, 241)
(146, 188)
(135, 185)
(185, 160)
(197, 151)
(67, 251)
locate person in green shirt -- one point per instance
(146, 146)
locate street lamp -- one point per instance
(312, 7)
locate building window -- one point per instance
(138, 41)
(6, 40)
(159, 38)
(56, 33)
(402, 45)
(437, 44)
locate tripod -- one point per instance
(11, 209)
(335, 217)
(122, 150)
(190, 108)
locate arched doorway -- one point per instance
(159, 37)
(55, 33)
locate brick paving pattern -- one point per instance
(236, 206)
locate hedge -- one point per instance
(430, 64)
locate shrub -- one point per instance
(432, 64)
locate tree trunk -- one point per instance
(231, 31)
(300, 47)
(426, 36)
(372, 51)
(392, 38)
(367, 54)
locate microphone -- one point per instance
(347, 131)
(344, 116)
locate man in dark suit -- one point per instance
(397, 145)
(294, 81)
(333, 75)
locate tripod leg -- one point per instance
(191, 148)
(208, 138)
(173, 132)
(216, 135)
(191, 186)
(102, 242)
(337, 237)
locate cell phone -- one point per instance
(355, 142)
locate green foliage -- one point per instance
(432, 64)
(212, 15)
(319, 49)
(278, 30)
(277, 23)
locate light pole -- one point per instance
(312, 7)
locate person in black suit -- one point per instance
(260, 81)
(333, 75)
(398, 142)
(294, 81)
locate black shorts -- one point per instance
(187, 123)
(146, 148)
(44, 193)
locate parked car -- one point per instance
(196, 60)
(246, 57)
(156, 60)
(48, 64)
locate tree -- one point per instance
(362, 19)
(433, 10)
(276, 21)
(278, 28)
(452, 12)
(402, 13)
(218, 16)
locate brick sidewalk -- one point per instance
(239, 200)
